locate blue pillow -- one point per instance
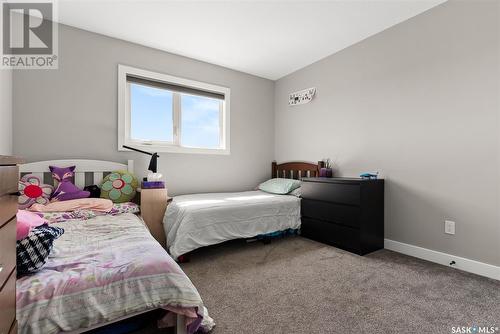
(279, 186)
(33, 251)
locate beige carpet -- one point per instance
(296, 285)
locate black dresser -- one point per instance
(344, 212)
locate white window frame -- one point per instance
(124, 112)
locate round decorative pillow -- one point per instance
(119, 186)
(32, 191)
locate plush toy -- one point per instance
(119, 186)
(95, 191)
(65, 189)
(32, 191)
(26, 221)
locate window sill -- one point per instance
(175, 149)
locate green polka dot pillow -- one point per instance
(119, 186)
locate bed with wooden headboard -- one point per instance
(198, 220)
(296, 169)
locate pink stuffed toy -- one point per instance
(27, 220)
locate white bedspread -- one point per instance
(198, 220)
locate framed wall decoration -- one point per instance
(302, 96)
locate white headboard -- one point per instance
(87, 172)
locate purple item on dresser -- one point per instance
(325, 172)
(66, 190)
(153, 185)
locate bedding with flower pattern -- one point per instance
(84, 214)
(98, 273)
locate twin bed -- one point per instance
(198, 220)
(104, 269)
(110, 268)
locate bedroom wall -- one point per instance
(72, 113)
(418, 102)
(5, 112)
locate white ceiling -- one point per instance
(266, 38)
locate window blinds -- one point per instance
(174, 87)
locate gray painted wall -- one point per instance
(72, 113)
(5, 112)
(420, 103)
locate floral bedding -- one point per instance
(102, 269)
(60, 216)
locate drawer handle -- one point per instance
(1, 267)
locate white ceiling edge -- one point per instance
(268, 39)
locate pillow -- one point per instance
(119, 186)
(65, 189)
(32, 190)
(279, 186)
(96, 204)
(296, 192)
(26, 221)
(33, 251)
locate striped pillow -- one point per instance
(33, 251)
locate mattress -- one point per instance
(102, 269)
(193, 221)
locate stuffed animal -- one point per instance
(26, 221)
(32, 190)
(119, 186)
(65, 189)
(94, 190)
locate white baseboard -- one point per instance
(461, 263)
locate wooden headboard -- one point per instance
(296, 169)
(87, 172)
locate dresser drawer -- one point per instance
(8, 252)
(8, 304)
(332, 192)
(8, 208)
(331, 212)
(8, 179)
(337, 235)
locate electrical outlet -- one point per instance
(449, 227)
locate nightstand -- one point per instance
(153, 204)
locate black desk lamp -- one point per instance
(153, 164)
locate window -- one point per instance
(162, 113)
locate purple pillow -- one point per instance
(65, 189)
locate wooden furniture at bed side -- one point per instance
(13, 329)
(296, 170)
(8, 210)
(344, 212)
(153, 204)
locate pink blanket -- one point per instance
(96, 204)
